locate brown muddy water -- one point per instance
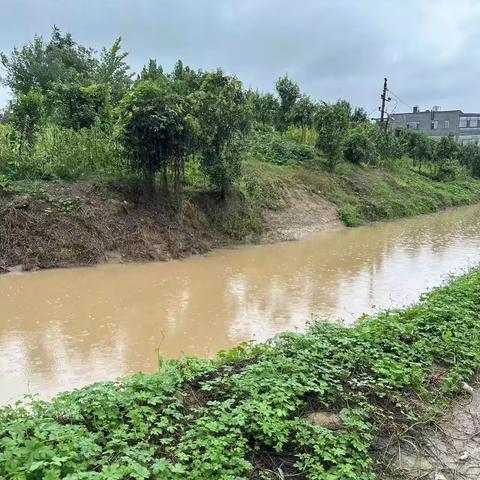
(61, 329)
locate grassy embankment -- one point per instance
(365, 194)
(51, 223)
(245, 414)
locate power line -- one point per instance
(371, 113)
(394, 108)
(399, 99)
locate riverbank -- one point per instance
(318, 405)
(46, 224)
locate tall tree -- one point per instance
(302, 113)
(264, 107)
(359, 115)
(185, 79)
(288, 92)
(41, 64)
(113, 71)
(158, 131)
(332, 122)
(151, 71)
(221, 109)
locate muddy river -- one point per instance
(61, 329)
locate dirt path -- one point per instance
(449, 450)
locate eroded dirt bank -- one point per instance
(62, 225)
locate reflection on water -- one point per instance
(61, 329)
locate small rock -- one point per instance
(325, 419)
(464, 456)
(15, 269)
(127, 206)
(113, 257)
(465, 386)
(440, 476)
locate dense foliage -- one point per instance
(244, 414)
(158, 130)
(159, 122)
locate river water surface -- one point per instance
(61, 329)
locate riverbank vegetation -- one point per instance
(313, 405)
(192, 153)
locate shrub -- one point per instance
(469, 156)
(71, 154)
(350, 216)
(360, 145)
(77, 107)
(447, 148)
(158, 130)
(307, 135)
(415, 145)
(388, 145)
(448, 170)
(61, 153)
(26, 112)
(270, 146)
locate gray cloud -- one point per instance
(427, 48)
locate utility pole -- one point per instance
(385, 99)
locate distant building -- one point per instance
(438, 123)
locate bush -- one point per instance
(26, 112)
(270, 146)
(306, 135)
(388, 145)
(360, 145)
(415, 145)
(447, 148)
(469, 156)
(350, 216)
(447, 171)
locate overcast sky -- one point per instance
(428, 49)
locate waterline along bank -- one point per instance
(47, 224)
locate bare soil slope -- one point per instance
(60, 224)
